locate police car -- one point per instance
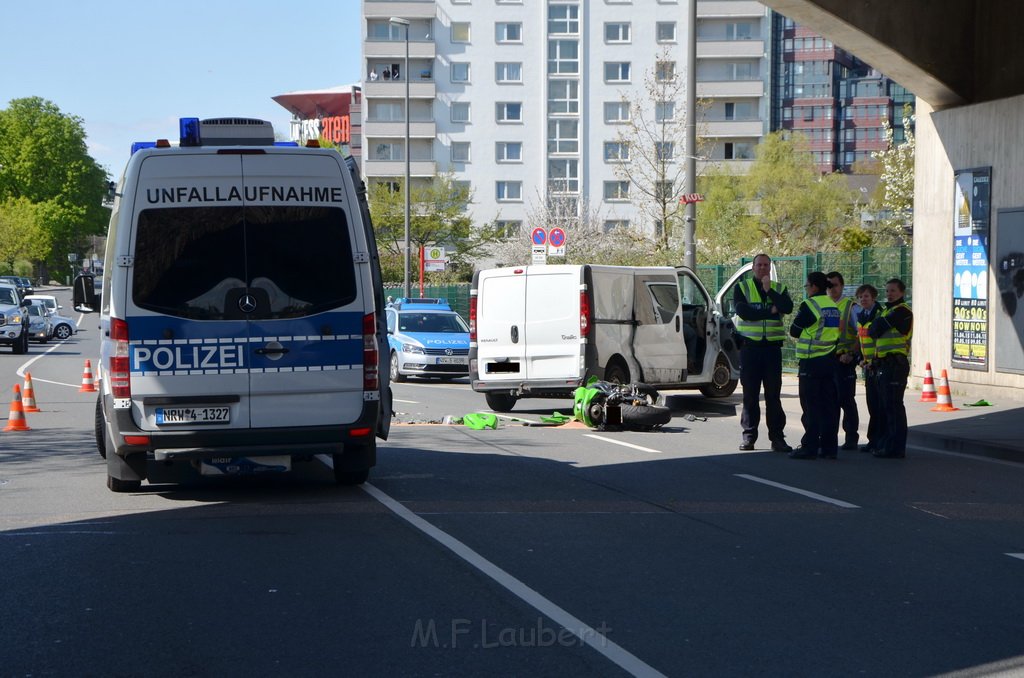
(241, 313)
(427, 338)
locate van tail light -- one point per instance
(472, 316)
(584, 315)
(371, 368)
(119, 369)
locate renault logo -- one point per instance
(247, 303)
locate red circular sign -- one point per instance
(557, 237)
(539, 236)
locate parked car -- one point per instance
(427, 338)
(13, 319)
(18, 282)
(61, 326)
(39, 324)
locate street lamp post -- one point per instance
(395, 21)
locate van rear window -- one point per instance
(197, 262)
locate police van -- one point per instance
(241, 314)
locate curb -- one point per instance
(975, 448)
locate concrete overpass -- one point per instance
(964, 59)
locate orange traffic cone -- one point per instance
(88, 383)
(29, 395)
(928, 388)
(945, 399)
(16, 420)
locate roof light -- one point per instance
(163, 143)
(286, 143)
(189, 130)
(139, 145)
(313, 143)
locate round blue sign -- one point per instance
(557, 237)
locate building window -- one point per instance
(460, 31)
(616, 111)
(612, 224)
(666, 151)
(664, 191)
(739, 31)
(460, 151)
(460, 111)
(509, 230)
(616, 151)
(509, 191)
(460, 72)
(508, 111)
(563, 20)
(508, 32)
(508, 72)
(616, 71)
(616, 32)
(385, 111)
(743, 110)
(563, 97)
(508, 151)
(388, 151)
(564, 175)
(563, 56)
(391, 186)
(665, 31)
(665, 71)
(739, 151)
(563, 136)
(616, 190)
(664, 111)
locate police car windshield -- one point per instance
(431, 322)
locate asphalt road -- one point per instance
(517, 551)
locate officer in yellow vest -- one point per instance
(892, 332)
(760, 304)
(816, 328)
(846, 366)
(865, 312)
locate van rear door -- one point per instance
(501, 325)
(553, 322)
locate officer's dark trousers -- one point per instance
(820, 405)
(876, 415)
(761, 366)
(846, 388)
(893, 372)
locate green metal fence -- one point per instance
(457, 295)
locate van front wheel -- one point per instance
(722, 384)
(500, 402)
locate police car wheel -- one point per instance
(100, 429)
(396, 376)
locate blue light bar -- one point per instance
(139, 145)
(286, 143)
(189, 129)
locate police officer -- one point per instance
(816, 329)
(760, 304)
(866, 311)
(892, 332)
(846, 365)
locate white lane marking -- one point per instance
(49, 533)
(613, 652)
(973, 457)
(407, 402)
(1019, 556)
(797, 490)
(624, 444)
(28, 363)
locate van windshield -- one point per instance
(199, 262)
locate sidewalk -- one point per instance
(996, 431)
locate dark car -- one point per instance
(23, 285)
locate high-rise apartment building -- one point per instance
(529, 100)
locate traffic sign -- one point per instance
(556, 237)
(539, 236)
(540, 254)
(435, 253)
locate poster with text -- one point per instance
(971, 214)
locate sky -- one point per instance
(130, 68)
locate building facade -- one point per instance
(535, 101)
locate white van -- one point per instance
(541, 331)
(242, 312)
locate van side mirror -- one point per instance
(84, 295)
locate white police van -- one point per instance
(242, 311)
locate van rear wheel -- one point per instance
(617, 373)
(500, 402)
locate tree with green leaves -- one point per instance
(22, 235)
(897, 186)
(44, 160)
(725, 230)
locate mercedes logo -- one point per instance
(247, 303)
(448, 351)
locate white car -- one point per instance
(61, 326)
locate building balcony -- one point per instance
(731, 128)
(396, 168)
(720, 9)
(407, 9)
(395, 49)
(710, 89)
(728, 49)
(395, 89)
(734, 167)
(417, 130)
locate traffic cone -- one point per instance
(945, 400)
(16, 420)
(88, 383)
(928, 388)
(29, 395)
